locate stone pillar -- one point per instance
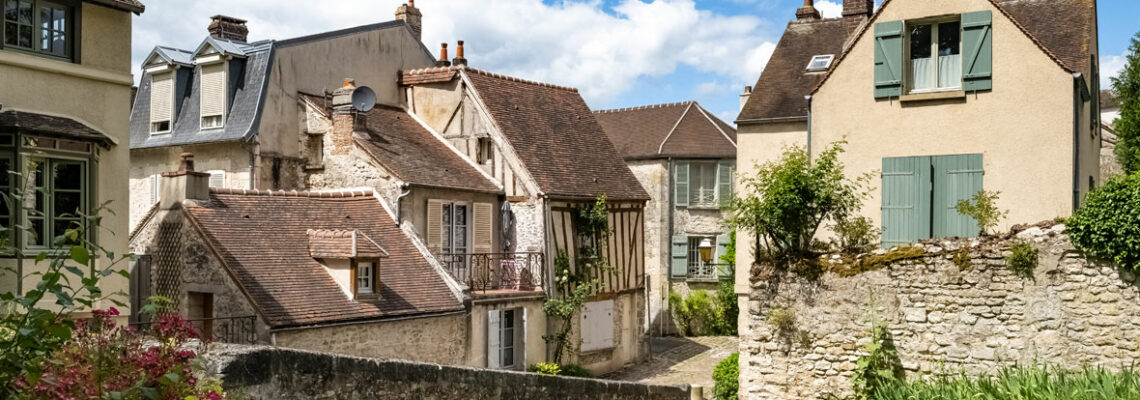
(345, 119)
(411, 16)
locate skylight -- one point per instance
(820, 62)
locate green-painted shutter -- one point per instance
(724, 173)
(956, 177)
(977, 48)
(681, 184)
(721, 250)
(888, 59)
(680, 256)
(906, 200)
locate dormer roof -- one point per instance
(221, 46)
(169, 56)
(343, 243)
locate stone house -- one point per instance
(941, 99)
(233, 103)
(64, 99)
(1109, 113)
(324, 271)
(685, 157)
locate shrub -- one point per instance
(962, 259)
(553, 369)
(879, 365)
(1016, 383)
(856, 234)
(983, 209)
(1022, 259)
(782, 319)
(545, 368)
(727, 310)
(726, 378)
(576, 371)
(700, 308)
(1108, 225)
(1126, 86)
(698, 314)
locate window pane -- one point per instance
(59, 20)
(68, 176)
(5, 177)
(25, 36)
(25, 13)
(45, 40)
(460, 214)
(949, 35)
(508, 318)
(508, 339)
(62, 225)
(920, 37)
(68, 203)
(10, 10)
(10, 30)
(35, 237)
(508, 357)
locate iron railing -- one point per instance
(708, 272)
(239, 330)
(497, 271)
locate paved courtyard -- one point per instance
(678, 361)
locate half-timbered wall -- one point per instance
(625, 249)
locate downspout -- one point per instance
(1077, 99)
(253, 150)
(668, 260)
(400, 202)
(808, 98)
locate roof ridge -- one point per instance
(456, 68)
(333, 194)
(646, 107)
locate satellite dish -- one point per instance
(363, 99)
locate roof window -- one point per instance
(820, 62)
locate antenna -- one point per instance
(363, 99)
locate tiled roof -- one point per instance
(263, 238)
(134, 6)
(1063, 28)
(668, 130)
(343, 243)
(557, 138)
(403, 146)
(53, 126)
(780, 91)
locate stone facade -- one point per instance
(654, 176)
(971, 318)
(441, 340)
(269, 373)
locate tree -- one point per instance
(1127, 89)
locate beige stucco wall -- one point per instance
(229, 157)
(414, 208)
(96, 91)
(1023, 127)
(534, 347)
(629, 336)
(441, 340)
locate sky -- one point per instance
(618, 53)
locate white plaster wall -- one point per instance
(534, 347)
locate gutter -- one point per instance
(1078, 98)
(771, 120)
(400, 202)
(668, 261)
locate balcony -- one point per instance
(497, 272)
(708, 272)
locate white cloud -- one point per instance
(829, 9)
(1110, 66)
(575, 43)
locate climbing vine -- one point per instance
(576, 284)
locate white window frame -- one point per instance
(909, 63)
(447, 243)
(156, 126)
(212, 61)
(697, 189)
(826, 59)
(213, 122)
(365, 281)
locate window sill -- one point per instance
(928, 96)
(703, 207)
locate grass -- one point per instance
(1090, 383)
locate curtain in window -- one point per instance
(923, 76)
(950, 71)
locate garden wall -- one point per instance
(271, 373)
(968, 315)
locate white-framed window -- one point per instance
(935, 54)
(365, 277)
(702, 185)
(161, 102)
(217, 178)
(213, 95)
(820, 62)
(212, 122)
(456, 230)
(506, 333)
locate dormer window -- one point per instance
(213, 95)
(40, 27)
(351, 258)
(161, 102)
(364, 279)
(820, 62)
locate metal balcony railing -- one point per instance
(708, 272)
(238, 330)
(497, 271)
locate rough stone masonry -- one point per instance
(974, 316)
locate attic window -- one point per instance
(820, 62)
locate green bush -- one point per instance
(727, 310)
(553, 369)
(983, 209)
(576, 371)
(879, 366)
(1020, 384)
(856, 234)
(726, 378)
(545, 368)
(698, 314)
(1023, 259)
(1108, 225)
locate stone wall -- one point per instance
(268, 373)
(654, 176)
(433, 339)
(943, 315)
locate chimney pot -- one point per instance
(748, 89)
(459, 58)
(226, 27)
(349, 83)
(443, 56)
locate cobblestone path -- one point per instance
(679, 361)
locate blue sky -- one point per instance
(619, 53)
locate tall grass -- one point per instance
(1090, 383)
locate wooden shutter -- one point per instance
(956, 177)
(724, 172)
(483, 233)
(888, 59)
(217, 178)
(721, 251)
(494, 329)
(681, 184)
(213, 95)
(435, 225)
(161, 97)
(680, 256)
(906, 200)
(977, 47)
(155, 182)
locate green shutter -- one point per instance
(721, 251)
(888, 59)
(724, 172)
(680, 256)
(956, 177)
(906, 200)
(681, 184)
(977, 48)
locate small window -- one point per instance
(38, 26)
(161, 102)
(935, 56)
(212, 122)
(485, 151)
(507, 339)
(159, 127)
(365, 278)
(217, 178)
(821, 62)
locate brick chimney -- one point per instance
(346, 120)
(231, 28)
(411, 16)
(443, 56)
(855, 12)
(744, 96)
(183, 184)
(459, 59)
(807, 12)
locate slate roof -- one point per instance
(553, 132)
(1063, 29)
(263, 239)
(134, 6)
(677, 130)
(242, 118)
(52, 126)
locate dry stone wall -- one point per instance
(944, 316)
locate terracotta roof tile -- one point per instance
(668, 130)
(343, 243)
(780, 91)
(263, 237)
